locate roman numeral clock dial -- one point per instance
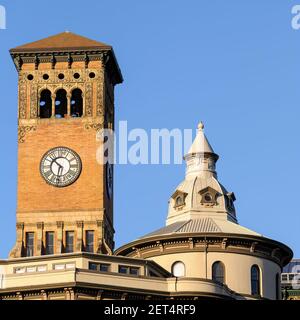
(60, 167)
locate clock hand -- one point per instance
(55, 161)
(60, 167)
(59, 174)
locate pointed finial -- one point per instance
(200, 126)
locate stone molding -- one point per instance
(22, 132)
(229, 243)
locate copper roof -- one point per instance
(65, 41)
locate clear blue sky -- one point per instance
(233, 64)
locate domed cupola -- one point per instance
(201, 195)
(203, 241)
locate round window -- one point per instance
(30, 77)
(76, 75)
(61, 76)
(45, 76)
(92, 75)
(208, 197)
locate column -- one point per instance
(59, 241)
(83, 104)
(19, 296)
(99, 236)
(67, 294)
(44, 295)
(79, 240)
(17, 251)
(39, 244)
(71, 294)
(69, 104)
(53, 96)
(99, 295)
(38, 113)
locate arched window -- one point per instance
(179, 201)
(45, 104)
(255, 281)
(76, 103)
(218, 272)
(61, 104)
(178, 269)
(277, 284)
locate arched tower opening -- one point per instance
(61, 104)
(76, 103)
(45, 104)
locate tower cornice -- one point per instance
(106, 56)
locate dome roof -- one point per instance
(202, 225)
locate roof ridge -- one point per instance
(183, 225)
(192, 195)
(214, 223)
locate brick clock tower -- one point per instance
(65, 196)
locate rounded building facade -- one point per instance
(203, 241)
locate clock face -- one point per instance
(60, 167)
(109, 180)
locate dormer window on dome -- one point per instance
(230, 198)
(208, 196)
(179, 199)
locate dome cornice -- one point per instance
(211, 242)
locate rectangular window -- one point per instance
(123, 269)
(70, 266)
(104, 267)
(69, 241)
(20, 270)
(31, 269)
(89, 241)
(134, 271)
(93, 266)
(29, 244)
(284, 277)
(129, 270)
(59, 267)
(49, 242)
(42, 268)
